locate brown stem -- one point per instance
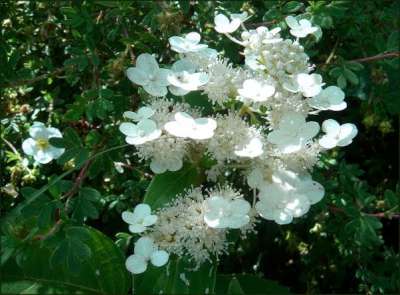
(377, 57)
(33, 80)
(129, 47)
(78, 181)
(52, 230)
(378, 215)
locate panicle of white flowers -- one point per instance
(260, 129)
(181, 229)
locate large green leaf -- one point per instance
(103, 272)
(247, 284)
(178, 277)
(165, 187)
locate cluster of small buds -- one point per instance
(259, 127)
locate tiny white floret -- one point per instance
(188, 43)
(336, 134)
(187, 127)
(222, 212)
(145, 250)
(300, 29)
(144, 131)
(293, 132)
(148, 74)
(140, 219)
(330, 98)
(256, 91)
(225, 26)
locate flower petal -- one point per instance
(136, 264)
(137, 76)
(159, 258)
(145, 247)
(29, 146)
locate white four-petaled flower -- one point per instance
(225, 26)
(309, 85)
(293, 132)
(148, 74)
(330, 98)
(183, 77)
(222, 212)
(188, 43)
(300, 29)
(256, 91)
(187, 127)
(38, 144)
(140, 219)
(336, 134)
(144, 131)
(288, 195)
(145, 250)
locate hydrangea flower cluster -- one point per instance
(259, 128)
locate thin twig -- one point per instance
(377, 57)
(33, 80)
(378, 215)
(133, 58)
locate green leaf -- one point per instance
(177, 277)
(350, 76)
(84, 204)
(341, 81)
(165, 187)
(103, 272)
(293, 6)
(248, 284)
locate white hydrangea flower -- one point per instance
(38, 144)
(336, 134)
(188, 43)
(293, 132)
(224, 26)
(161, 165)
(300, 29)
(288, 195)
(253, 149)
(144, 131)
(308, 84)
(330, 98)
(280, 205)
(256, 91)
(187, 127)
(222, 212)
(145, 250)
(140, 219)
(148, 74)
(141, 114)
(183, 78)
